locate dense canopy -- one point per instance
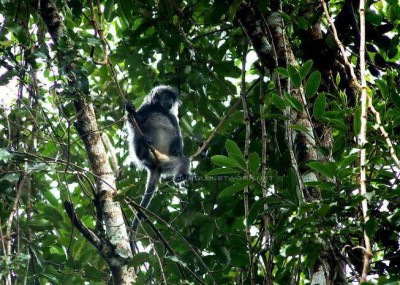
(291, 118)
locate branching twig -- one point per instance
(221, 124)
(216, 130)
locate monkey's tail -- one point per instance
(154, 176)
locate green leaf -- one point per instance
(140, 258)
(294, 76)
(282, 71)
(383, 88)
(52, 214)
(231, 190)
(222, 160)
(232, 148)
(39, 224)
(206, 234)
(278, 102)
(240, 160)
(312, 84)
(348, 160)
(255, 210)
(37, 167)
(4, 155)
(108, 9)
(254, 162)
(93, 41)
(301, 128)
(328, 169)
(222, 171)
(337, 79)
(50, 198)
(235, 153)
(395, 98)
(124, 9)
(294, 102)
(292, 192)
(319, 106)
(305, 68)
(227, 67)
(370, 226)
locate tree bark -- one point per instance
(114, 247)
(264, 34)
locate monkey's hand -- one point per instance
(130, 108)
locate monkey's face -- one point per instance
(166, 99)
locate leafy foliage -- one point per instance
(196, 46)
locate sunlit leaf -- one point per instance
(222, 160)
(328, 169)
(221, 171)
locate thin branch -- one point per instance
(216, 130)
(266, 235)
(98, 30)
(384, 133)
(362, 141)
(221, 123)
(162, 273)
(84, 230)
(341, 46)
(365, 104)
(9, 240)
(246, 156)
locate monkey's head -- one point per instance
(164, 96)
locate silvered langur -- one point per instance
(157, 118)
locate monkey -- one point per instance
(157, 119)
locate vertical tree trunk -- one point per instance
(114, 247)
